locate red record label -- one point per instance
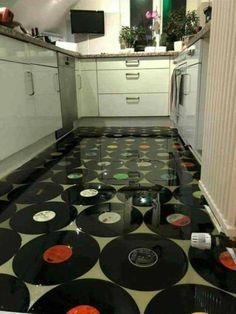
(187, 164)
(83, 309)
(226, 260)
(178, 220)
(57, 254)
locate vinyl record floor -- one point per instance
(100, 223)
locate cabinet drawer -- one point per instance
(13, 50)
(86, 65)
(132, 63)
(133, 105)
(133, 81)
(42, 56)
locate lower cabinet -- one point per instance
(30, 105)
(133, 105)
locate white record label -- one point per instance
(45, 215)
(109, 218)
(89, 193)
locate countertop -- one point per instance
(15, 34)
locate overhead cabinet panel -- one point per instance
(13, 50)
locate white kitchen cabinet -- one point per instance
(47, 99)
(41, 56)
(133, 86)
(86, 88)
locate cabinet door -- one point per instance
(47, 99)
(87, 98)
(17, 108)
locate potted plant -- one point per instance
(179, 26)
(128, 36)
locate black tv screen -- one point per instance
(85, 21)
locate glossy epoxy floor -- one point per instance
(100, 224)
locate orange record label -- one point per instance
(226, 260)
(57, 254)
(187, 164)
(144, 146)
(83, 309)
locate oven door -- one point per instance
(181, 72)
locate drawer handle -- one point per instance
(132, 76)
(132, 100)
(132, 63)
(29, 83)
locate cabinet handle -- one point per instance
(56, 82)
(132, 63)
(79, 81)
(29, 83)
(188, 90)
(132, 100)
(132, 76)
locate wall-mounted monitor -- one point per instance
(87, 22)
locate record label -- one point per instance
(168, 176)
(103, 163)
(197, 194)
(143, 257)
(57, 254)
(144, 146)
(199, 313)
(112, 146)
(56, 154)
(74, 176)
(64, 163)
(178, 220)
(89, 193)
(121, 176)
(127, 154)
(83, 309)
(109, 218)
(144, 163)
(163, 154)
(187, 164)
(130, 140)
(44, 215)
(226, 260)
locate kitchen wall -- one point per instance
(198, 5)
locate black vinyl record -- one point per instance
(5, 188)
(10, 242)
(126, 154)
(189, 164)
(56, 258)
(197, 175)
(33, 163)
(86, 296)
(143, 195)
(109, 219)
(189, 195)
(177, 221)
(88, 194)
(120, 177)
(104, 164)
(35, 193)
(144, 164)
(14, 296)
(192, 299)
(169, 177)
(63, 164)
(75, 176)
(6, 210)
(143, 262)
(43, 218)
(215, 266)
(29, 175)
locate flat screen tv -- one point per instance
(86, 21)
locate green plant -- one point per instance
(128, 36)
(181, 24)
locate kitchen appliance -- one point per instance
(67, 93)
(186, 111)
(6, 16)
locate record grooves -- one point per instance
(143, 262)
(86, 296)
(10, 242)
(191, 299)
(56, 258)
(109, 219)
(43, 218)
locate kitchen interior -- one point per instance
(118, 159)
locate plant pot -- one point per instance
(178, 45)
(150, 49)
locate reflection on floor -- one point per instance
(100, 223)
